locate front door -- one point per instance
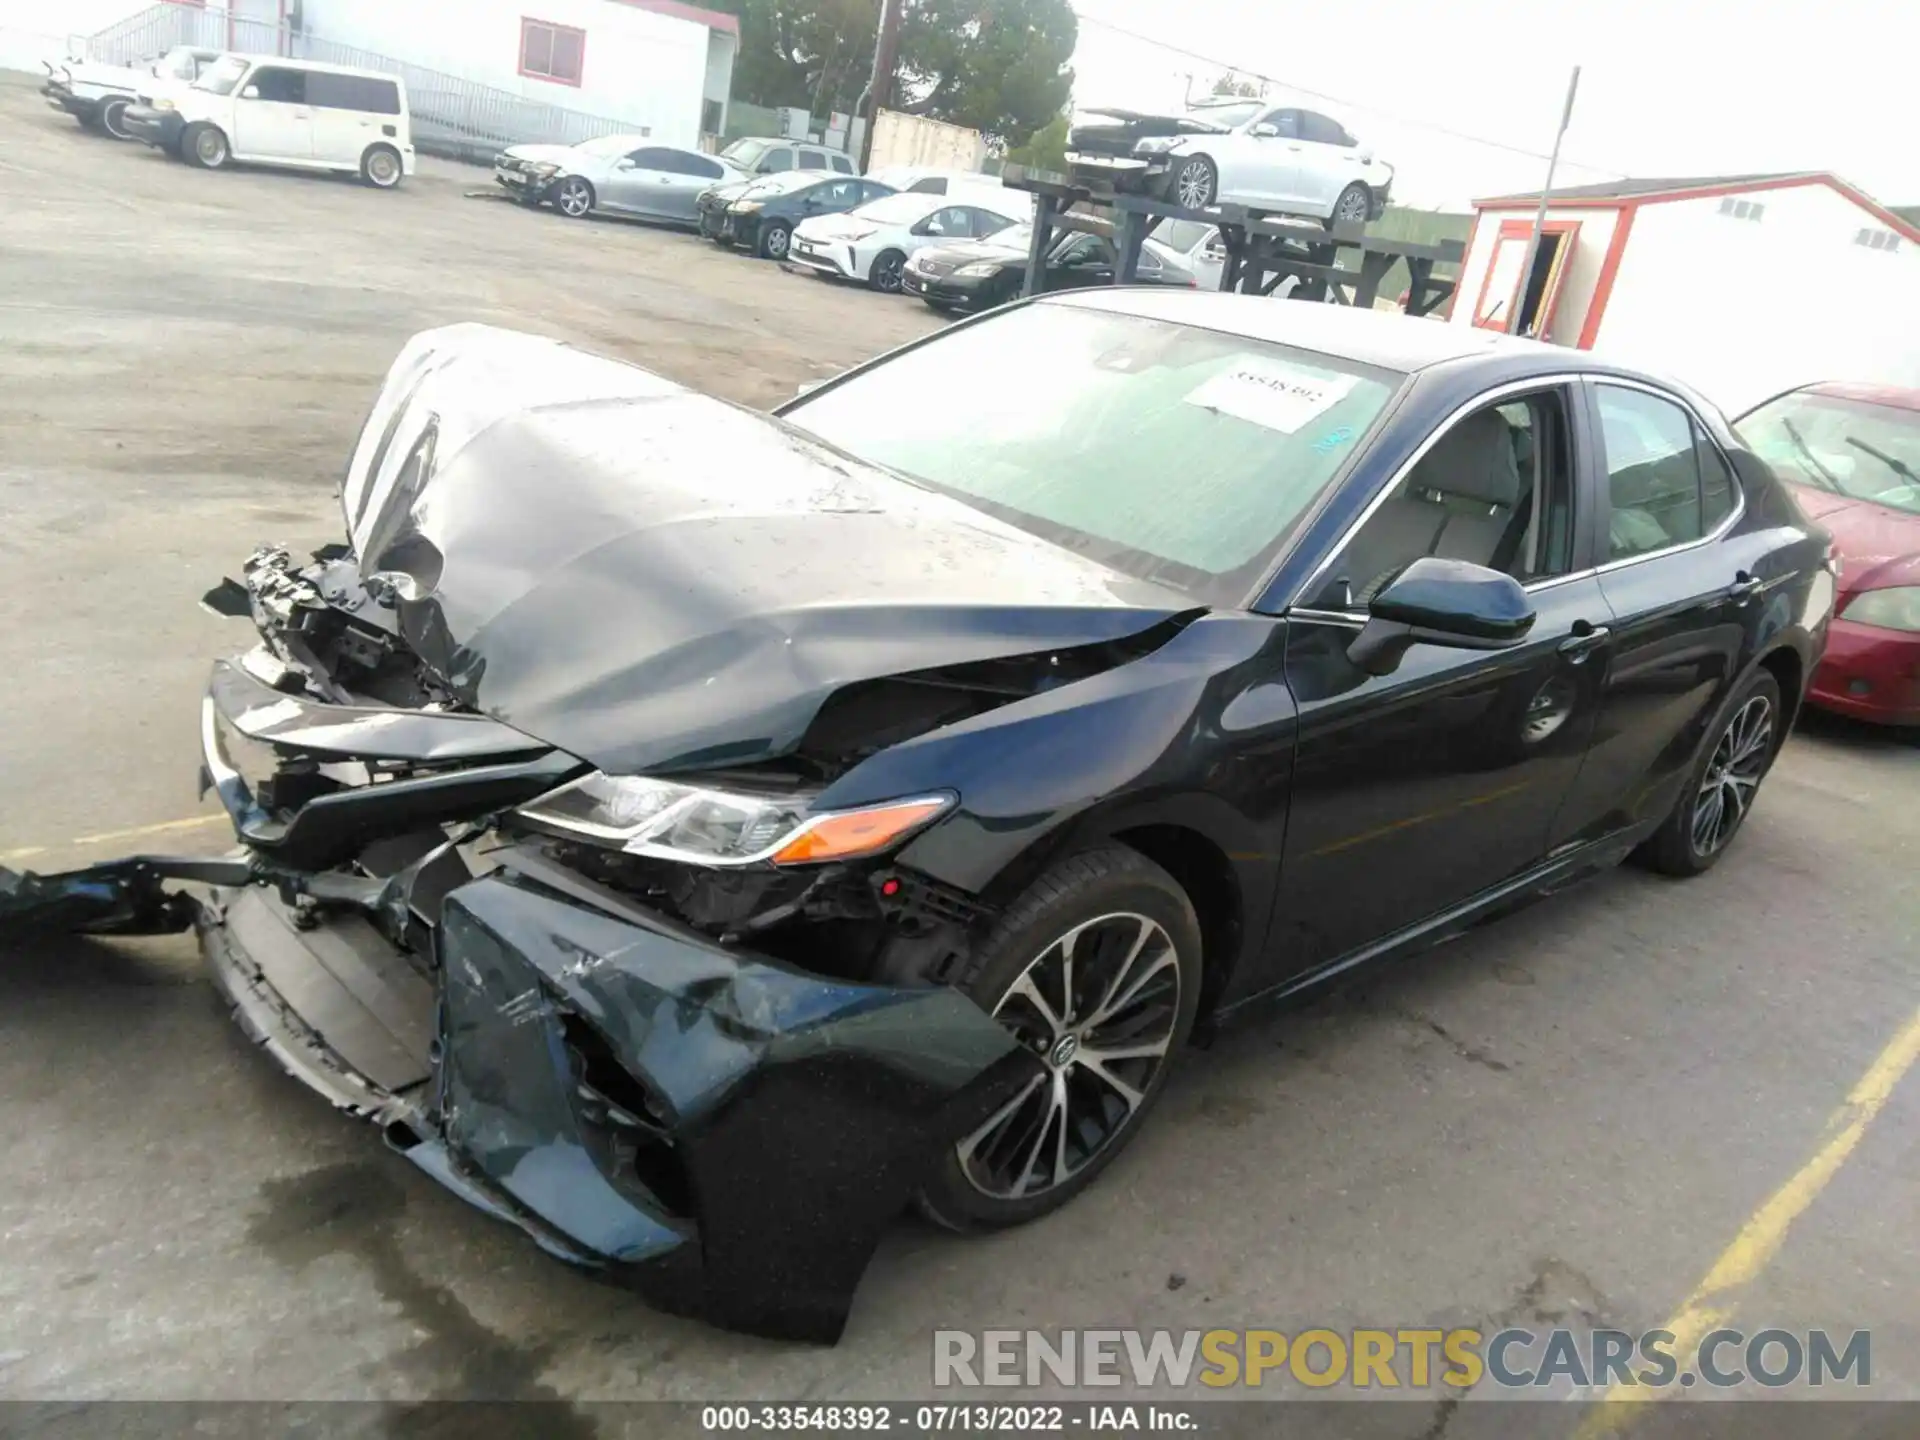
(1418, 790)
(271, 117)
(1681, 604)
(1257, 161)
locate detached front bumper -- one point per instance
(522, 186)
(727, 1135)
(61, 98)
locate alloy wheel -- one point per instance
(574, 198)
(1734, 772)
(210, 148)
(776, 242)
(1099, 1006)
(886, 274)
(1354, 207)
(1195, 185)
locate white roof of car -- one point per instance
(294, 63)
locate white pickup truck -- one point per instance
(97, 95)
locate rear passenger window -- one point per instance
(353, 92)
(842, 164)
(1655, 461)
(813, 159)
(776, 160)
(283, 87)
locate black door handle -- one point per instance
(1584, 641)
(1745, 586)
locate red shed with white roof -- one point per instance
(1742, 284)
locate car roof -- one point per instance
(292, 62)
(1895, 396)
(1389, 340)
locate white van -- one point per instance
(276, 111)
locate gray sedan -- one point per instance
(614, 174)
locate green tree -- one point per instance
(1046, 148)
(815, 54)
(998, 66)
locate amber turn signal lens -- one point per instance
(858, 832)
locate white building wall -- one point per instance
(1583, 272)
(1742, 309)
(35, 30)
(645, 68)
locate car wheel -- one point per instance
(113, 119)
(573, 197)
(774, 236)
(884, 274)
(1194, 183)
(1096, 969)
(1354, 207)
(1746, 734)
(206, 146)
(380, 167)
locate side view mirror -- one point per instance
(1264, 131)
(626, 164)
(1441, 602)
(1364, 156)
(252, 92)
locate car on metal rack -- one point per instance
(872, 243)
(1852, 454)
(762, 218)
(1279, 158)
(768, 821)
(979, 274)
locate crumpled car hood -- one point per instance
(650, 579)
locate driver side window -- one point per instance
(1495, 489)
(1286, 123)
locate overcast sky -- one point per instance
(1668, 87)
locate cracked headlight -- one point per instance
(1156, 144)
(543, 172)
(697, 826)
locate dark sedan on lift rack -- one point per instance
(765, 822)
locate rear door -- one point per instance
(1681, 603)
(1329, 161)
(271, 117)
(350, 113)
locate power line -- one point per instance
(1171, 48)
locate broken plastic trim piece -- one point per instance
(120, 897)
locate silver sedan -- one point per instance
(614, 174)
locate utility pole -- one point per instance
(879, 91)
(1540, 215)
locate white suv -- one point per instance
(1242, 152)
(297, 113)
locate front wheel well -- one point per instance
(1202, 869)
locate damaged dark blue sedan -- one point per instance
(694, 836)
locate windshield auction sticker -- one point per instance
(1279, 397)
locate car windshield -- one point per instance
(221, 76)
(744, 152)
(1175, 454)
(1230, 115)
(900, 209)
(1853, 447)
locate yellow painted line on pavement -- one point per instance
(107, 837)
(1713, 1300)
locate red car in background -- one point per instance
(1852, 453)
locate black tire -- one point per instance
(1193, 182)
(1676, 848)
(1108, 898)
(113, 118)
(772, 241)
(206, 146)
(884, 274)
(380, 167)
(1355, 206)
(573, 197)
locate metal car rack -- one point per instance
(1263, 247)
